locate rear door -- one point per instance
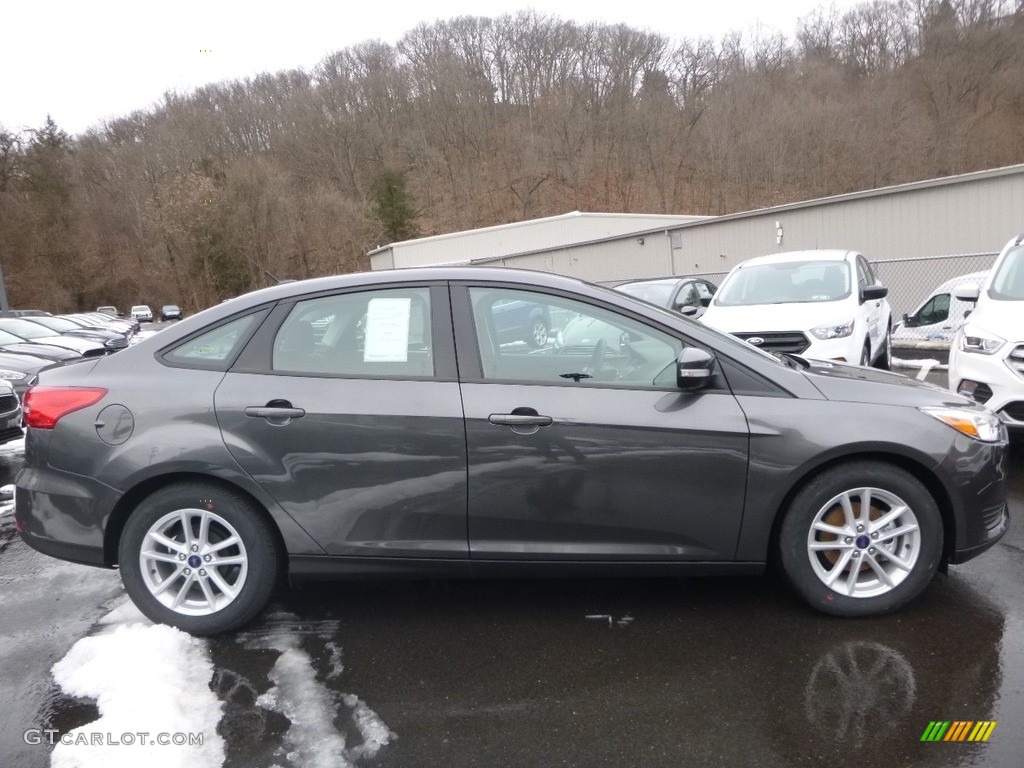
(345, 408)
(584, 449)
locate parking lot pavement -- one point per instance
(702, 672)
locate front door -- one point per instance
(584, 448)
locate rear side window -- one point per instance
(367, 333)
(215, 348)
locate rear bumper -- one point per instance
(63, 515)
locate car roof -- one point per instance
(960, 279)
(832, 254)
(412, 275)
(660, 280)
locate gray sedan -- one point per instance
(376, 423)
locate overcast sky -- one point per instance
(83, 62)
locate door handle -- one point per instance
(278, 413)
(519, 420)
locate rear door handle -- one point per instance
(278, 413)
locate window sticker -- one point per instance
(387, 331)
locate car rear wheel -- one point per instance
(861, 539)
(198, 557)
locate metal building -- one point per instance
(570, 230)
(917, 235)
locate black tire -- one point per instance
(240, 588)
(539, 332)
(810, 556)
(865, 355)
(884, 361)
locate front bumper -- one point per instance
(996, 381)
(977, 476)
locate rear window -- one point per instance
(214, 349)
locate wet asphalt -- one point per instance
(666, 672)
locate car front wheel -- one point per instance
(861, 539)
(198, 557)
(884, 361)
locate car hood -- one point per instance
(77, 343)
(857, 384)
(766, 318)
(1001, 318)
(47, 351)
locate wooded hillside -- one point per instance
(474, 122)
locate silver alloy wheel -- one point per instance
(193, 562)
(864, 542)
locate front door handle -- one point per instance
(518, 420)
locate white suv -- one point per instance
(824, 304)
(986, 359)
(142, 313)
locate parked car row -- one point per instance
(830, 305)
(143, 313)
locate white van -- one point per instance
(986, 358)
(937, 318)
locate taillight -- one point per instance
(45, 406)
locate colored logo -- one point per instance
(959, 730)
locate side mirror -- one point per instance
(873, 293)
(967, 292)
(909, 321)
(686, 309)
(693, 368)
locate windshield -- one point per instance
(24, 329)
(792, 282)
(1008, 281)
(657, 293)
(56, 324)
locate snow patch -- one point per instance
(146, 679)
(313, 740)
(6, 500)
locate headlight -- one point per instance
(981, 425)
(978, 341)
(12, 375)
(835, 331)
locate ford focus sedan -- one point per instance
(381, 423)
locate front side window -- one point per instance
(586, 345)
(935, 310)
(367, 333)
